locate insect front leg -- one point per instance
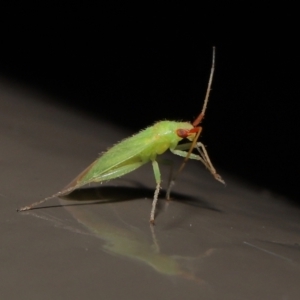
(202, 156)
(180, 150)
(155, 198)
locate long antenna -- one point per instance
(203, 157)
(212, 70)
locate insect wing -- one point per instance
(125, 152)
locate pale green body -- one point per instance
(135, 151)
(132, 153)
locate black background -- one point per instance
(134, 65)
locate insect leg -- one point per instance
(155, 198)
(202, 156)
(180, 151)
(208, 164)
(170, 163)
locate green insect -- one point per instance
(135, 151)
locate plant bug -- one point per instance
(133, 152)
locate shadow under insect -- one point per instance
(113, 194)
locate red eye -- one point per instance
(183, 133)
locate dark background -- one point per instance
(135, 65)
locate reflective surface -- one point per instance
(210, 242)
